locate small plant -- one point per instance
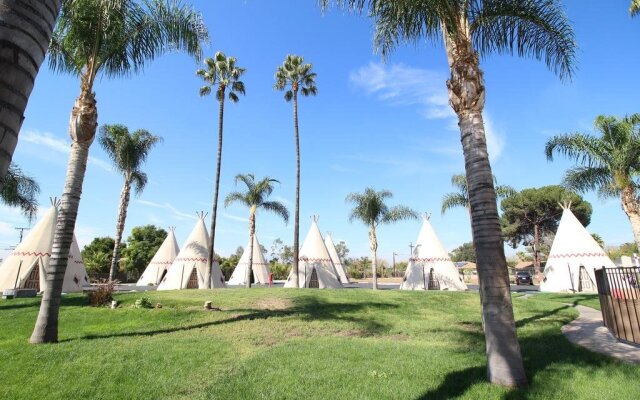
(103, 295)
(143, 302)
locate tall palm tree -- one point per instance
(20, 190)
(25, 33)
(609, 164)
(471, 30)
(296, 77)
(128, 151)
(461, 197)
(221, 72)
(634, 9)
(255, 197)
(370, 208)
(112, 38)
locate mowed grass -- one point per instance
(296, 344)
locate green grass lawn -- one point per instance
(296, 344)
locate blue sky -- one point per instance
(385, 125)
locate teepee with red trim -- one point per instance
(188, 270)
(573, 258)
(315, 267)
(259, 266)
(157, 268)
(430, 267)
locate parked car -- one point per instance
(524, 278)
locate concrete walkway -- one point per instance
(589, 331)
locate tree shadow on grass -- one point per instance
(525, 321)
(306, 308)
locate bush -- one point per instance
(103, 295)
(280, 271)
(143, 302)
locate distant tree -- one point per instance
(532, 213)
(287, 255)
(97, 254)
(464, 252)
(625, 249)
(598, 239)
(342, 250)
(276, 250)
(370, 208)
(634, 9)
(20, 190)
(239, 251)
(228, 265)
(461, 197)
(142, 245)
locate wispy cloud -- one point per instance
(234, 217)
(282, 200)
(343, 169)
(54, 143)
(175, 213)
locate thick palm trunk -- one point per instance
(25, 32)
(122, 216)
(296, 222)
(466, 96)
(214, 214)
(252, 233)
(373, 245)
(82, 128)
(629, 200)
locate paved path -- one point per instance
(589, 331)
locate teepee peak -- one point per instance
(55, 202)
(426, 216)
(201, 215)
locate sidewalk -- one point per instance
(589, 331)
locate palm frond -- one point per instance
(584, 179)
(634, 9)
(399, 213)
(236, 197)
(139, 180)
(20, 190)
(453, 200)
(277, 208)
(504, 191)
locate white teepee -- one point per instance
(259, 266)
(337, 263)
(188, 270)
(315, 268)
(26, 266)
(573, 258)
(156, 270)
(430, 267)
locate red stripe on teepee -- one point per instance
(569, 255)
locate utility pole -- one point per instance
(21, 233)
(411, 249)
(394, 264)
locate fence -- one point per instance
(619, 292)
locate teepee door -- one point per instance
(585, 282)
(433, 282)
(193, 279)
(33, 280)
(313, 281)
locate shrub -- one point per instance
(143, 302)
(103, 295)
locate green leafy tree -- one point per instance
(97, 254)
(103, 38)
(608, 163)
(625, 249)
(598, 239)
(530, 214)
(342, 250)
(461, 197)
(370, 208)
(295, 77)
(17, 189)
(464, 252)
(142, 245)
(25, 30)
(128, 151)
(222, 74)
(255, 197)
(471, 30)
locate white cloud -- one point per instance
(495, 139)
(234, 217)
(175, 213)
(52, 142)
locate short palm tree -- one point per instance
(110, 38)
(609, 163)
(128, 151)
(25, 31)
(634, 9)
(20, 190)
(370, 208)
(255, 197)
(295, 77)
(461, 197)
(471, 30)
(222, 72)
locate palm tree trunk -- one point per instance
(629, 201)
(82, 128)
(252, 233)
(25, 33)
(214, 214)
(122, 216)
(296, 222)
(373, 245)
(466, 96)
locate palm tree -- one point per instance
(295, 77)
(128, 151)
(370, 208)
(634, 9)
(471, 30)
(221, 71)
(609, 163)
(461, 197)
(20, 190)
(25, 33)
(112, 38)
(256, 197)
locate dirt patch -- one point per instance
(273, 304)
(352, 333)
(470, 326)
(293, 333)
(399, 337)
